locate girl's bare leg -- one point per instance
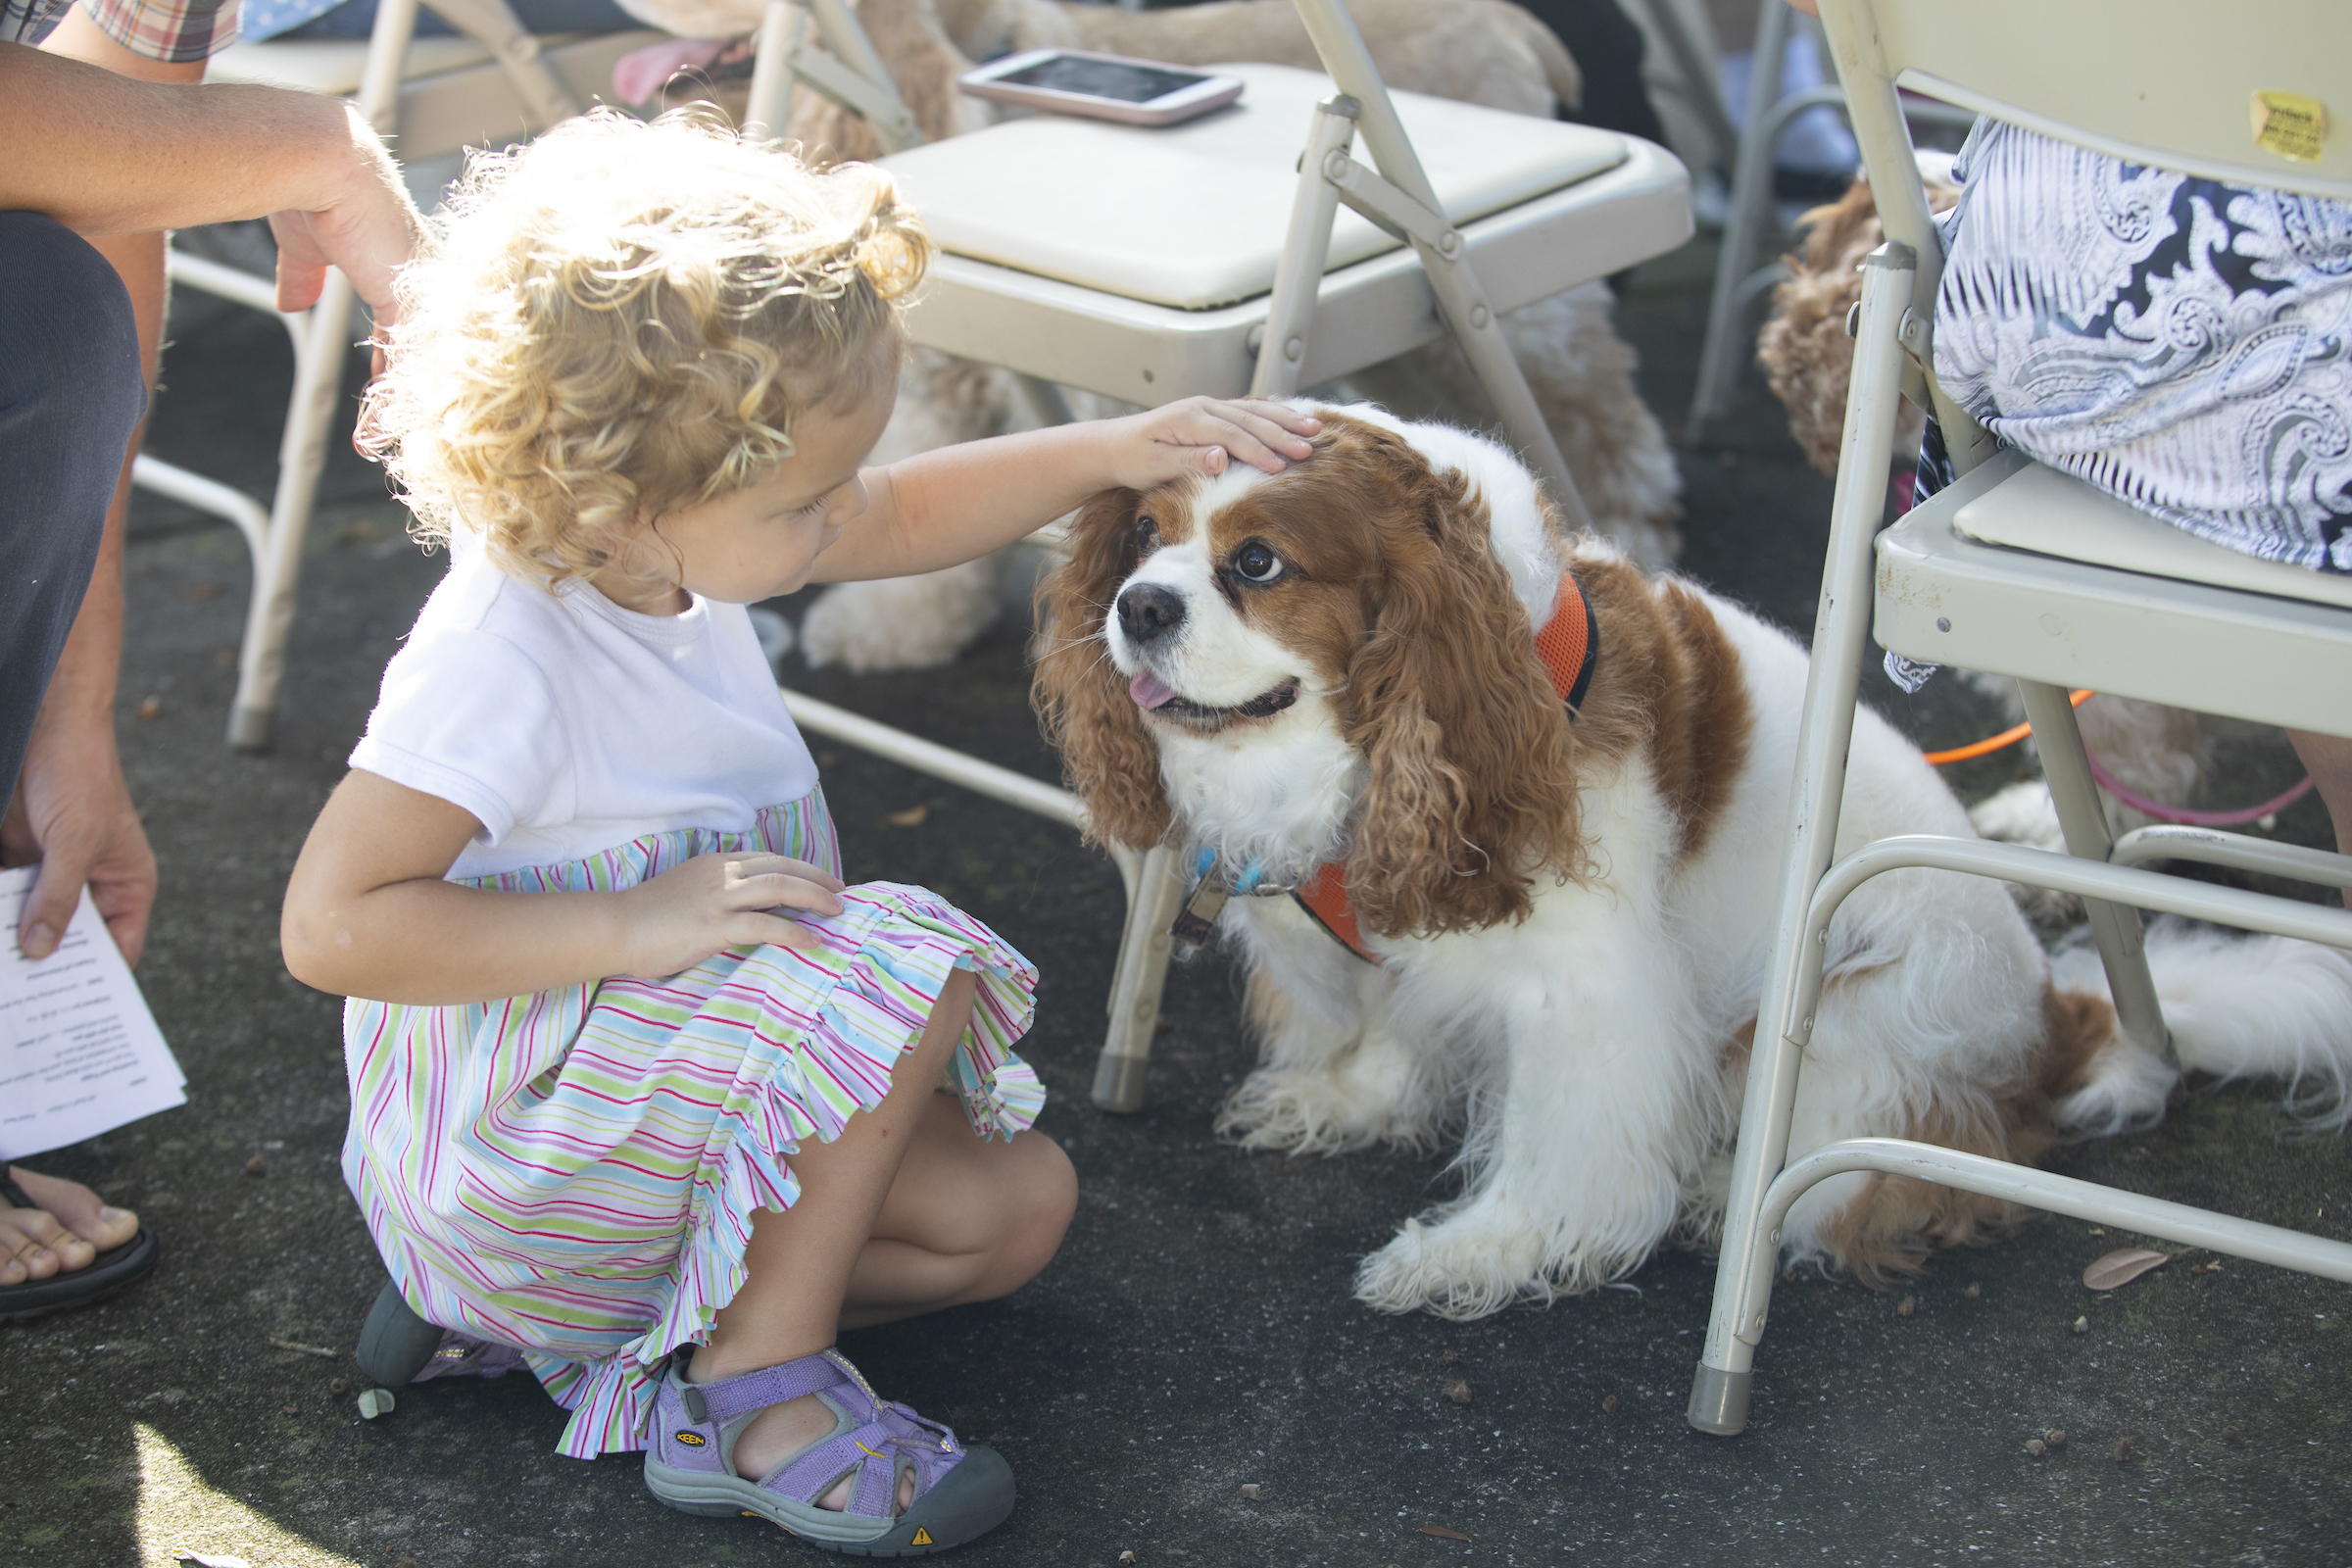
(906, 1211)
(969, 1219)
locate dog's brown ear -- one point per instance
(1080, 697)
(1472, 788)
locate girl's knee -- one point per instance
(1042, 1200)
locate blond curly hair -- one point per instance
(622, 319)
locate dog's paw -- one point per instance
(901, 622)
(1464, 1267)
(1324, 1112)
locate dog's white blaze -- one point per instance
(1216, 657)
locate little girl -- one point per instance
(639, 1085)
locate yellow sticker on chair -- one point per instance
(2290, 124)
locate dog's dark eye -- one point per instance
(1147, 534)
(1257, 564)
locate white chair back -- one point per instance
(2174, 83)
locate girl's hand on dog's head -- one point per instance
(720, 901)
(1205, 436)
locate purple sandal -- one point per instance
(960, 1493)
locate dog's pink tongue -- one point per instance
(1149, 691)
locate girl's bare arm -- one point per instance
(367, 913)
(957, 502)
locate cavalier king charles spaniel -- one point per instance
(1546, 925)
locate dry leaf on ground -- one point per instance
(1253, 1490)
(1457, 1390)
(912, 816)
(2122, 1266)
(1441, 1531)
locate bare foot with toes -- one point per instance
(66, 1230)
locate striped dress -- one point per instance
(575, 1172)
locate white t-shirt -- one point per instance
(568, 725)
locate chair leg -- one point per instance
(277, 566)
(1153, 892)
(1744, 1277)
(781, 27)
(2115, 927)
(1744, 224)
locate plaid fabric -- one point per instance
(160, 30)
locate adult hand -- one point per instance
(368, 228)
(72, 811)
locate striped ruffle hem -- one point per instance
(575, 1172)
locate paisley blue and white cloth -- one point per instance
(2182, 343)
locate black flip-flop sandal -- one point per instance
(109, 1271)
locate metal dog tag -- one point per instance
(1197, 921)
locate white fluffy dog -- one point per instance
(1351, 675)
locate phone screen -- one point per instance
(1102, 78)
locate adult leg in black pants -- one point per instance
(71, 394)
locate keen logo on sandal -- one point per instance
(692, 1440)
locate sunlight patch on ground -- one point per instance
(179, 1514)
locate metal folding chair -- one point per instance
(428, 96)
(2024, 571)
(1211, 258)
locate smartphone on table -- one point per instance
(1076, 81)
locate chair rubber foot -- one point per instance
(1119, 1082)
(249, 728)
(1719, 1401)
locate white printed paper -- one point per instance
(79, 1052)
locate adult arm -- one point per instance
(104, 154)
(71, 807)
(118, 147)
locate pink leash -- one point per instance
(2190, 818)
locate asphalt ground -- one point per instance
(1196, 1336)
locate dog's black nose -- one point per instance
(1147, 611)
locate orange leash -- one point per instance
(2007, 737)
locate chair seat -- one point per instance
(1193, 215)
(453, 94)
(1146, 351)
(2103, 596)
(2054, 513)
(335, 65)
